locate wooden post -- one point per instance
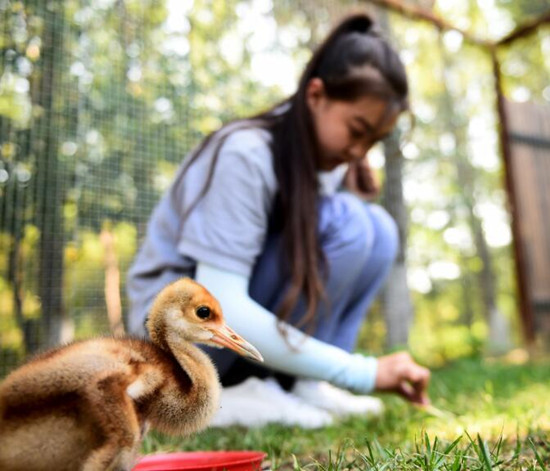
(525, 307)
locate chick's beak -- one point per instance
(227, 337)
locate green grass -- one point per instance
(499, 420)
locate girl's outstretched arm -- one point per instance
(299, 354)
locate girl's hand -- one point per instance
(400, 374)
(361, 179)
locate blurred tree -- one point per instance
(467, 182)
(50, 174)
(396, 298)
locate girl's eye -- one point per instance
(355, 133)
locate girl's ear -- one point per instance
(315, 93)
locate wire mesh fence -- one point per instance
(99, 102)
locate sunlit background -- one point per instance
(101, 100)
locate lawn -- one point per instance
(497, 417)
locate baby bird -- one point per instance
(87, 405)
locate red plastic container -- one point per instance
(203, 461)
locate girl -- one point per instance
(255, 214)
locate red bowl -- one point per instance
(203, 461)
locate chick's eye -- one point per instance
(203, 312)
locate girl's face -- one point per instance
(346, 130)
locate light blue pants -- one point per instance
(360, 242)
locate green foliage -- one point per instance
(86, 271)
(131, 96)
(454, 146)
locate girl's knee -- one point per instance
(386, 232)
(346, 230)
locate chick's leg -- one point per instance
(114, 416)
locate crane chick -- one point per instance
(87, 405)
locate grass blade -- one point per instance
(452, 446)
(537, 456)
(484, 454)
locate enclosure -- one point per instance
(101, 100)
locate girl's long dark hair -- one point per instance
(353, 61)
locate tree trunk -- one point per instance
(499, 335)
(50, 182)
(396, 299)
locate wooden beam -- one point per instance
(417, 13)
(525, 29)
